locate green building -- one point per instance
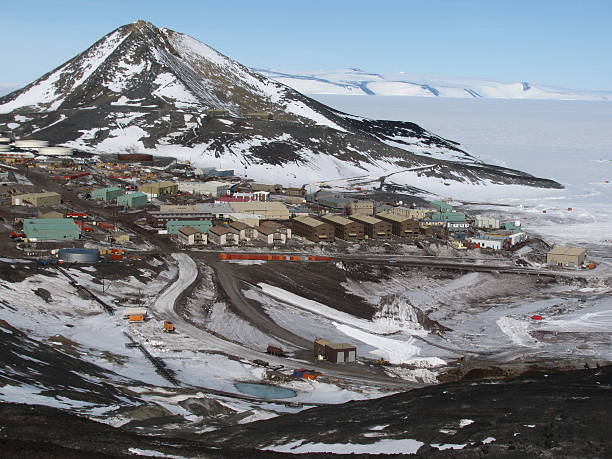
(512, 226)
(136, 199)
(441, 206)
(448, 217)
(50, 229)
(174, 226)
(107, 194)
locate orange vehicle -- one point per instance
(137, 318)
(168, 326)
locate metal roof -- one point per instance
(189, 230)
(239, 225)
(309, 221)
(365, 219)
(38, 195)
(563, 250)
(219, 230)
(337, 219)
(393, 217)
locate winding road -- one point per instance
(165, 307)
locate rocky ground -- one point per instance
(559, 415)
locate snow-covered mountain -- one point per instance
(359, 82)
(141, 88)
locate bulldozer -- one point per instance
(169, 327)
(382, 362)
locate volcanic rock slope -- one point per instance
(145, 89)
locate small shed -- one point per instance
(334, 352)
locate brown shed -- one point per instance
(344, 228)
(334, 352)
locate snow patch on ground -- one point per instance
(386, 446)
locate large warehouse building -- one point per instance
(268, 210)
(50, 229)
(566, 256)
(107, 194)
(37, 199)
(212, 188)
(131, 200)
(155, 189)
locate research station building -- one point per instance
(334, 352)
(373, 227)
(566, 256)
(51, 229)
(344, 228)
(312, 229)
(400, 225)
(37, 199)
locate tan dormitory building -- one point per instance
(274, 233)
(312, 229)
(373, 227)
(400, 225)
(244, 231)
(37, 199)
(156, 189)
(566, 256)
(188, 235)
(418, 213)
(344, 228)
(268, 210)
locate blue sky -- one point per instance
(562, 43)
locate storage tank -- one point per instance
(31, 144)
(77, 255)
(55, 151)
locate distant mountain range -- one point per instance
(145, 89)
(359, 82)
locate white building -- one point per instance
(213, 188)
(221, 235)
(486, 222)
(499, 241)
(188, 235)
(245, 232)
(272, 235)
(457, 226)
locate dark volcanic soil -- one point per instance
(317, 281)
(565, 415)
